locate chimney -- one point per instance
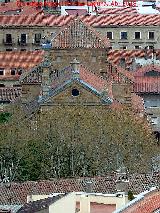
(122, 181)
(89, 186)
(75, 68)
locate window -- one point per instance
(8, 49)
(150, 47)
(123, 35)
(137, 47)
(19, 71)
(137, 35)
(23, 38)
(23, 49)
(75, 92)
(8, 38)
(123, 47)
(13, 71)
(37, 38)
(2, 85)
(150, 35)
(1, 71)
(110, 35)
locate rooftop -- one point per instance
(19, 191)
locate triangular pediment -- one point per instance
(79, 35)
(87, 95)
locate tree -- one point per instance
(69, 141)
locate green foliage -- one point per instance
(130, 195)
(75, 141)
(4, 117)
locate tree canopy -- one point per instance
(69, 141)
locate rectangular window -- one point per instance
(137, 47)
(8, 49)
(8, 38)
(137, 35)
(123, 47)
(110, 35)
(150, 47)
(13, 71)
(1, 71)
(37, 37)
(150, 35)
(123, 35)
(23, 38)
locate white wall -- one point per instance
(66, 204)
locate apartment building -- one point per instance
(132, 31)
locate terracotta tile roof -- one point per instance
(116, 55)
(8, 94)
(24, 60)
(137, 103)
(92, 20)
(147, 84)
(91, 79)
(148, 204)
(79, 12)
(118, 10)
(11, 8)
(78, 34)
(20, 59)
(19, 191)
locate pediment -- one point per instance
(65, 95)
(78, 35)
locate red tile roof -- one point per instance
(118, 10)
(20, 59)
(79, 12)
(86, 76)
(94, 21)
(116, 55)
(19, 191)
(92, 79)
(147, 84)
(137, 103)
(24, 60)
(13, 8)
(68, 36)
(148, 204)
